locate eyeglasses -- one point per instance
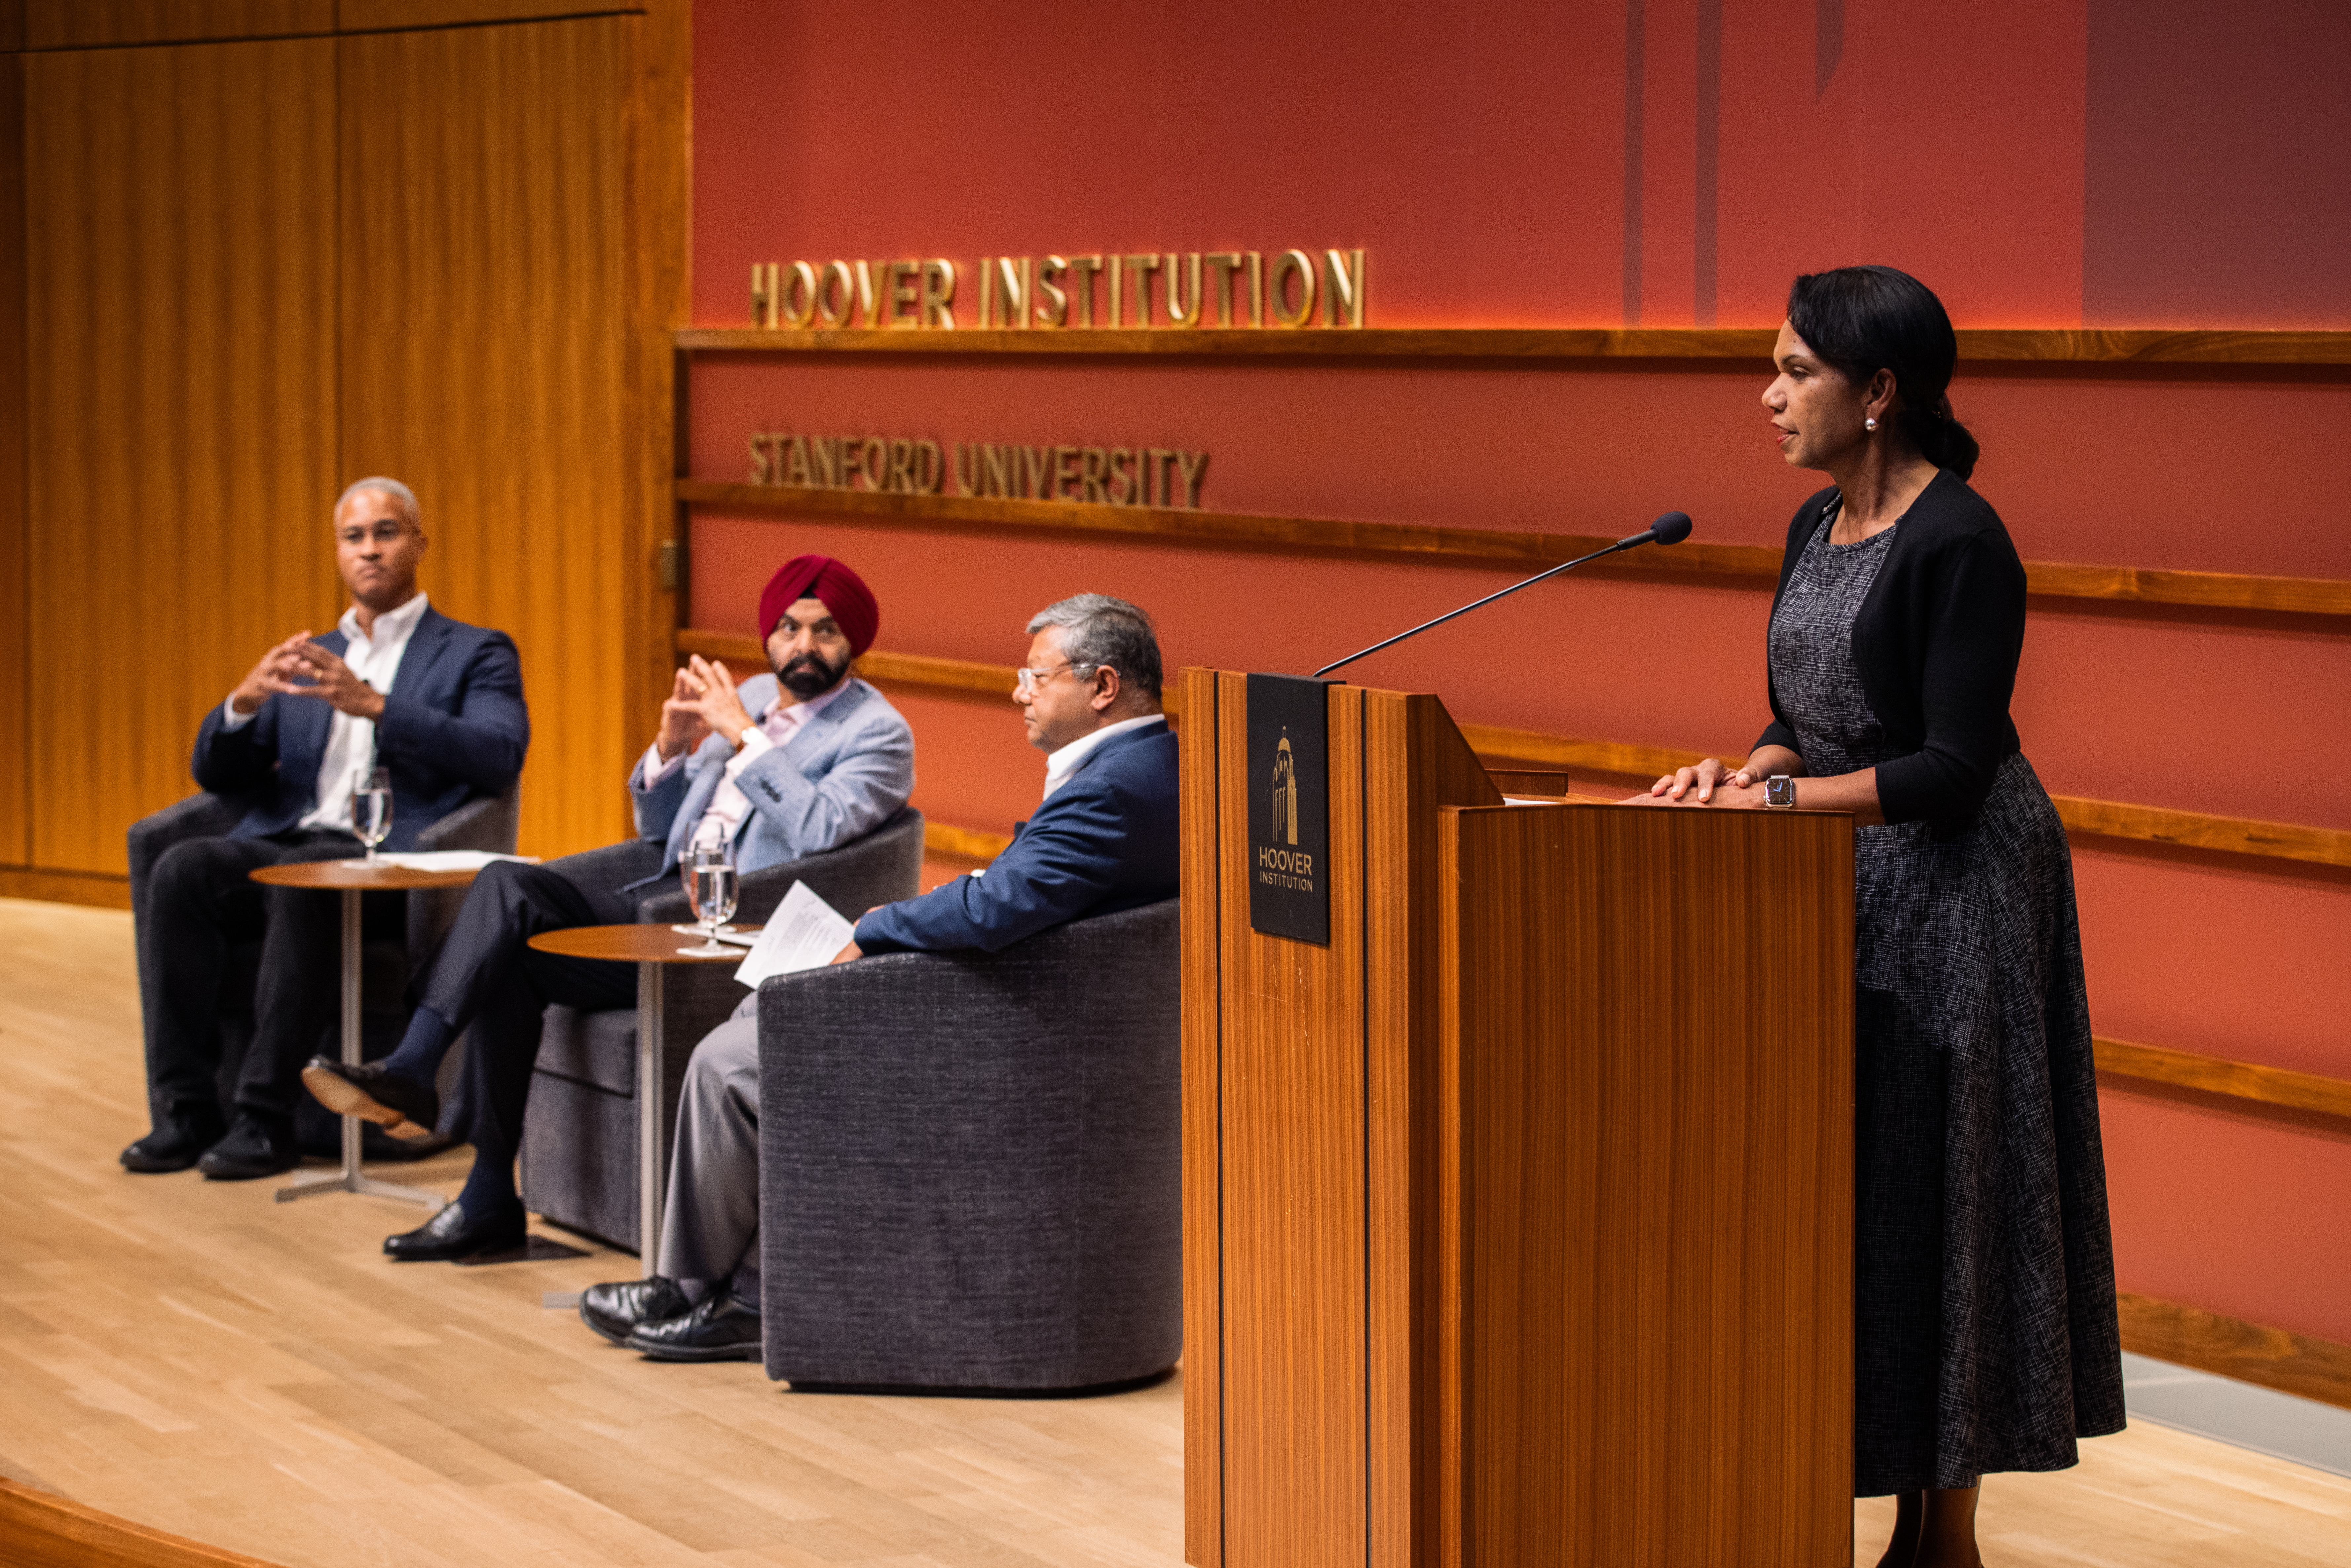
(1026, 681)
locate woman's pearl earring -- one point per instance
(1869, 424)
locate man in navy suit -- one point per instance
(1104, 839)
(397, 686)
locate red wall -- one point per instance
(1517, 165)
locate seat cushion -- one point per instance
(579, 1159)
(594, 1048)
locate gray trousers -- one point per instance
(710, 1223)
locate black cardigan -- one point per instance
(1937, 643)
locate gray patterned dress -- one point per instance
(1981, 1239)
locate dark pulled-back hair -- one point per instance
(1864, 320)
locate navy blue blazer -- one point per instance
(1105, 841)
(453, 727)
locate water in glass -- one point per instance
(712, 884)
(371, 807)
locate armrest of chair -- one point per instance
(605, 867)
(941, 1029)
(487, 822)
(881, 867)
(199, 816)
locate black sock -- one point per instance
(428, 1039)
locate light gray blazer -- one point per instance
(844, 774)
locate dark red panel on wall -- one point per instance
(2218, 189)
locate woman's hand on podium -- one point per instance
(1715, 782)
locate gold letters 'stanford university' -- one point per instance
(1167, 476)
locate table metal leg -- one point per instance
(650, 1172)
(351, 1177)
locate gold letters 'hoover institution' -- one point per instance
(1194, 288)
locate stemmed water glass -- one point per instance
(372, 808)
(712, 884)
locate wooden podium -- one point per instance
(1518, 1217)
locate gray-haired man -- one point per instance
(1104, 839)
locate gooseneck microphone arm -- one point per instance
(1669, 529)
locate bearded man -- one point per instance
(787, 765)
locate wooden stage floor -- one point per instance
(193, 1356)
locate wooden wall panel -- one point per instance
(484, 331)
(180, 364)
(16, 586)
(79, 24)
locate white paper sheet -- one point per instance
(804, 933)
(449, 860)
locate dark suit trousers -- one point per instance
(204, 902)
(485, 976)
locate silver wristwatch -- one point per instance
(1780, 792)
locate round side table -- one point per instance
(351, 878)
(649, 947)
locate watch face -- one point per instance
(1780, 791)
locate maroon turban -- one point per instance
(821, 576)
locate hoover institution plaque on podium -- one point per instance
(1518, 1209)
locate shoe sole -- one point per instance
(263, 1174)
(345, 1098)
(672, 1353)
(600, 1332)
(503, 1244)
(159, 1167)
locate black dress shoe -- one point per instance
(173, 1146)
(251, 1151)
(724, 1327)
(452, 1234)
(615, 1311)
(400, 1106)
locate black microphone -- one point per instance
(1670, 529)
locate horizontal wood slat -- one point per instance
(1756, 565)
(2050, 346)
(2218, 1075)
(964, 844)
(100, 890)
(2104, 819)
(2290, 1363)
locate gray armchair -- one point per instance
(970, 1165)
(400, 929)
(579, 1141)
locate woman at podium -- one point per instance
(1984, 1328)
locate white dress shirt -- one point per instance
(730, 809)
(373, 655)
(1060, 765)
